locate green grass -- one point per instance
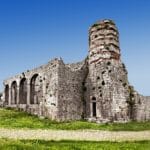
(8, 144)
(10, 118)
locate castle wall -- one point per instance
(49, 106)
(107, 86)
(141, 107)
(53, 90)
(39, 95)
(70, 101)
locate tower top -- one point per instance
(104, 24)
(104, 41)
(104, 21)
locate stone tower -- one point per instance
(106, 84)
(103, 42)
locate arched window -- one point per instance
(34, 90)
(93, 98)
(6, 94)
(14, 92)
(23, 91)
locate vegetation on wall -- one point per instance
(131, 102)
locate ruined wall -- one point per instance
(49, 106)
(142, 112)
(70, 101)
(140, 106)
(53, 90)
(34, 91)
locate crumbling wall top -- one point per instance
(76, 66)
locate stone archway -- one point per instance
(6, 94)
(14, 92)
(34, 89)
(23, 91)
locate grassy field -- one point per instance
(15, 119)
(7, 144)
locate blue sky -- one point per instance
(34, 31)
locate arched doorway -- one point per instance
(14, 92)
(94, 113)
(23, 91)
(6, 94)
(34, 89)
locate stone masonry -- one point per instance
(96, 89)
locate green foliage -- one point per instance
(124, 67)
(131, 100)
(95, 25)
(124, 84)
(6, 144)
(10, 118)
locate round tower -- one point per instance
(106, 83)
(103, 42)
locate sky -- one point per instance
(32, 32)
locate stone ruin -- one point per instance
(1, 99)
(96, 89)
